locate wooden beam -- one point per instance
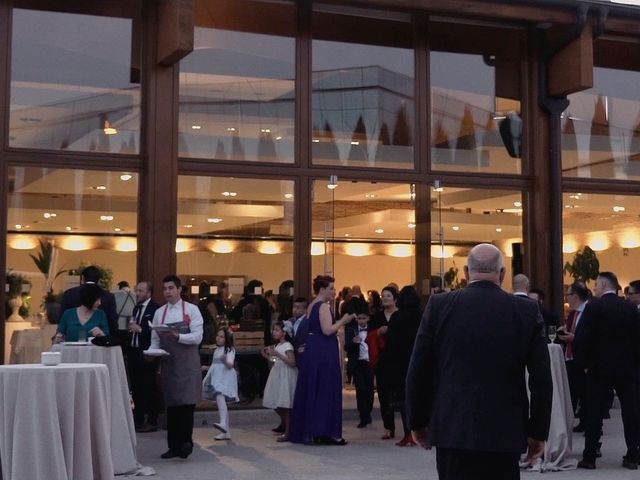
(571, 70)
(175, 30)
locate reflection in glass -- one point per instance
(364, 233)
(601, 128)
(363, 98)
(237, 88)
(88, 217)
(233, 230)
(608, 225)
(476, 115)
(73, 85)
(463, 217)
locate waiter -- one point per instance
(180, 370)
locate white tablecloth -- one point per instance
(55, 422)
(123, 434)
(557, 450)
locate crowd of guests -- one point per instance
(303, 347)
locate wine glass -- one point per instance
(551, 333)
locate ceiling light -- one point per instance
(49, 215)
(400, 250)
(106, 218)
(498, 230)
(126, 245)
(278, 138)
(18, 226)
(370, 195)
(67, 228)
(618, 208)
(379, 230)
(517, 204)
(188, 225)
(265, 130)
(22, 242)
(315, 140)
(222, 246)
(108, 129)
(231, 129)
(195, 127)
(317, 248)
(98, 187)
(411, 225)
(355, 143)
(125, 177)
(229, 194)
(455, 228)
(347, 234)
(214, 220)
(288, 195)
(117, 229)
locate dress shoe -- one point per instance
(406, 442)
(282, 438)
(629, 463)
(169, 454)
(388, 435)
(222, 436)
(587, 464)
(220, 427)
(362, 424)
(146, 428)
(278, 429)
(185, 450)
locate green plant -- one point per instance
(15, 281)
(106, 274)
(585, 265)
(43, 263)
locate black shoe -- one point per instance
(278, 429)
(578, 428)
(587, 464)
(630, 464)
(169, 454)
(362, 424)
(185, 450)
(598, 452)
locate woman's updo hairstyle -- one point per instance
(392, 291)
(322, 281)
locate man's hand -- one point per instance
(420, 437)
(566, 337)
(135, 328)
(535, 450)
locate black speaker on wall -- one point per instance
(517, 258)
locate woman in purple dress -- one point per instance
(317, 406)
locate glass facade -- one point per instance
(237, 87)
(75, 83)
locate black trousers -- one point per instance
(598, 389)
(146, 397)
(384, 398)
(454, 464)
(577, 386)
(180, 426)
(363, 380)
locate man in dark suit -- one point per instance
(71, 298)
(142, 373)
(607, 345)
(466, 389)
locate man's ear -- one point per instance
(503, 272)
(466, 272)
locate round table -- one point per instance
(123, 433)
(55, 422)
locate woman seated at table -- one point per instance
(86, 320)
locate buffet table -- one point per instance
(55, 422)
(123, 434)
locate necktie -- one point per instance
(137, 314)
(571, 328)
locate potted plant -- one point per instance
(44, 262)
(585, 265)
(106, 274)
(18, 284)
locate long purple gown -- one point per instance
(317, 405)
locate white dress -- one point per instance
(281, 384)
(220, 379)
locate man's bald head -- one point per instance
(485, 263)
(521, 283)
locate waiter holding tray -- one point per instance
(177, 330)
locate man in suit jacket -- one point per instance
(299, 325)
(466, 390)
(71, 298)
(607, 345)
(142, 373)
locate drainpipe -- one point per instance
(554, 106)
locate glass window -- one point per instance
(476, 119)
(463, 217)
(83, 217)
(74, 83)
(232, 231)
(601, 126)
(237, 88)
(363, 89)
(363, 233)
(608, 224)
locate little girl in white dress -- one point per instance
(221, 381)
(281, 384)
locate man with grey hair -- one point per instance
(468, 397)
(521, 285)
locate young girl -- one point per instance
(281, 384)
(221, 381)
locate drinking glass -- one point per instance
(82, 335)
(551, 333)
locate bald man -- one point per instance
(521, 285)
(466, 391)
